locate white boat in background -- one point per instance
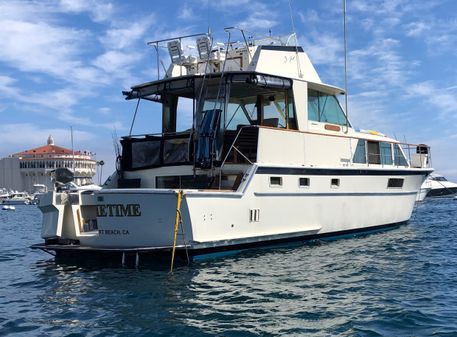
(18, 198)
(8, 208)
(4, 194)
(439, 186)
(268, 156)
(424, 190)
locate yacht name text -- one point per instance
(118, 210)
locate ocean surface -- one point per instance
(401, 282)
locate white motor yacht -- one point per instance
(267, 156)
(4, 194)
(18, 198)
(424, 189)
(439, 186)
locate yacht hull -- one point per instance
(143, 220)
(442, 192)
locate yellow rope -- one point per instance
(175, 234)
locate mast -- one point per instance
(345, 68)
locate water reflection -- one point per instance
(281, 291)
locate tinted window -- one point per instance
(360, 153)
(275, 181)
(325, 108)
(395, 183)
(399, 158)
(386, 153)
(304, 182)
(373, 153)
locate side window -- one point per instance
(325, 108)
(373, 153)
(275, 181)
(399, 158)
(303, 182)
(239, 115)
(274, 110)
(313, 106)
(360, 153)
(386, 153)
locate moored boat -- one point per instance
(268, 156)
(18, 198)
(424, 190)
(439, 186)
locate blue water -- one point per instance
(396, 283)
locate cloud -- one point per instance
(185, 12)
(230, 3)
(416, 29)
(379, 65)
(324, 49)
(443, 100)
(311, 16)
(98, 10)
(127, 34)
(116, 61)
(41, 47)
(6, 86)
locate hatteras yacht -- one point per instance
(254, 149)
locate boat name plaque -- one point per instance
(119, 210)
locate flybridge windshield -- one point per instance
(200, 115)
(243, 98)
(325, 108)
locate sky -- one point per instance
(64, 64)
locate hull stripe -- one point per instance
(339, 172)
(336, 194)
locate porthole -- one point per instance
(275, 181)
(395, 183)
(303, 182)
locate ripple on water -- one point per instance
(394, 283)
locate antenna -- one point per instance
(296, 39)
(345, 68)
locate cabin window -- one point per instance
(386, 153)
(145, 154)
(239, 114)
(325, 108)
(335, 183)
(395, 183)
(360, 153)
(274, 109)
(399, 158)
(184, 116)
(278, 110)
(303, 182)
(275, 181)
(373, 153)
(188, 181)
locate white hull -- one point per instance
(438, 186)
(257, 214)
(422, 193)
(16, 202)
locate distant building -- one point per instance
(21, 171)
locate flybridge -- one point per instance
(271, 55)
